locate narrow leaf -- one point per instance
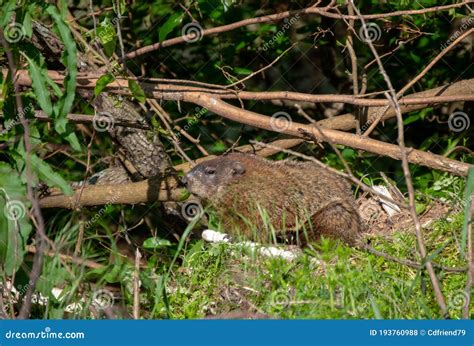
(15, 227)
(102, 82)
(50, 177)
(6, 12)
(39, 85)
(69, 60)
(172, 22)
(137, 91)
(27, 25)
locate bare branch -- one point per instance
(279, 16)
(406, 170)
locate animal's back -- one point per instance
(291, 197)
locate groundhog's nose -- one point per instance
(187, 178)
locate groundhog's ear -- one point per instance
(238, 168)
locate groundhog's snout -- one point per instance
(189, 178)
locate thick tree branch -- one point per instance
(169, 91)
(336, 137)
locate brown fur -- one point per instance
(298, 198)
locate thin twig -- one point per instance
(136, 286)
(262, 69)
(67, 258)
(406, 170)
(179, 92)
(470, 261)
(352, 54)
(434, 61)
(282, 15)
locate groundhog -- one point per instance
(271, 201)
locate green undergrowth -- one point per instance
(196, 279)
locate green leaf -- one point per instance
(137, 91)
(156, 243)
(173, 21)
(218, 147)
(66, 132)
(6, 12)
(102, 82)
(39, 85)
(14, 222)
(420, 208)
(69, 60)
(60, 125)
(107, 36)
(411, 118)
(50, 177)
(242, 71)
(27, 25)
(73, 141)
(122, 7)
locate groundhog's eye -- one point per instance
(210, 171)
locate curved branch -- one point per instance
(167, 91)
(282, 15)
(324, 134)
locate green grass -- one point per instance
(209, 279)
